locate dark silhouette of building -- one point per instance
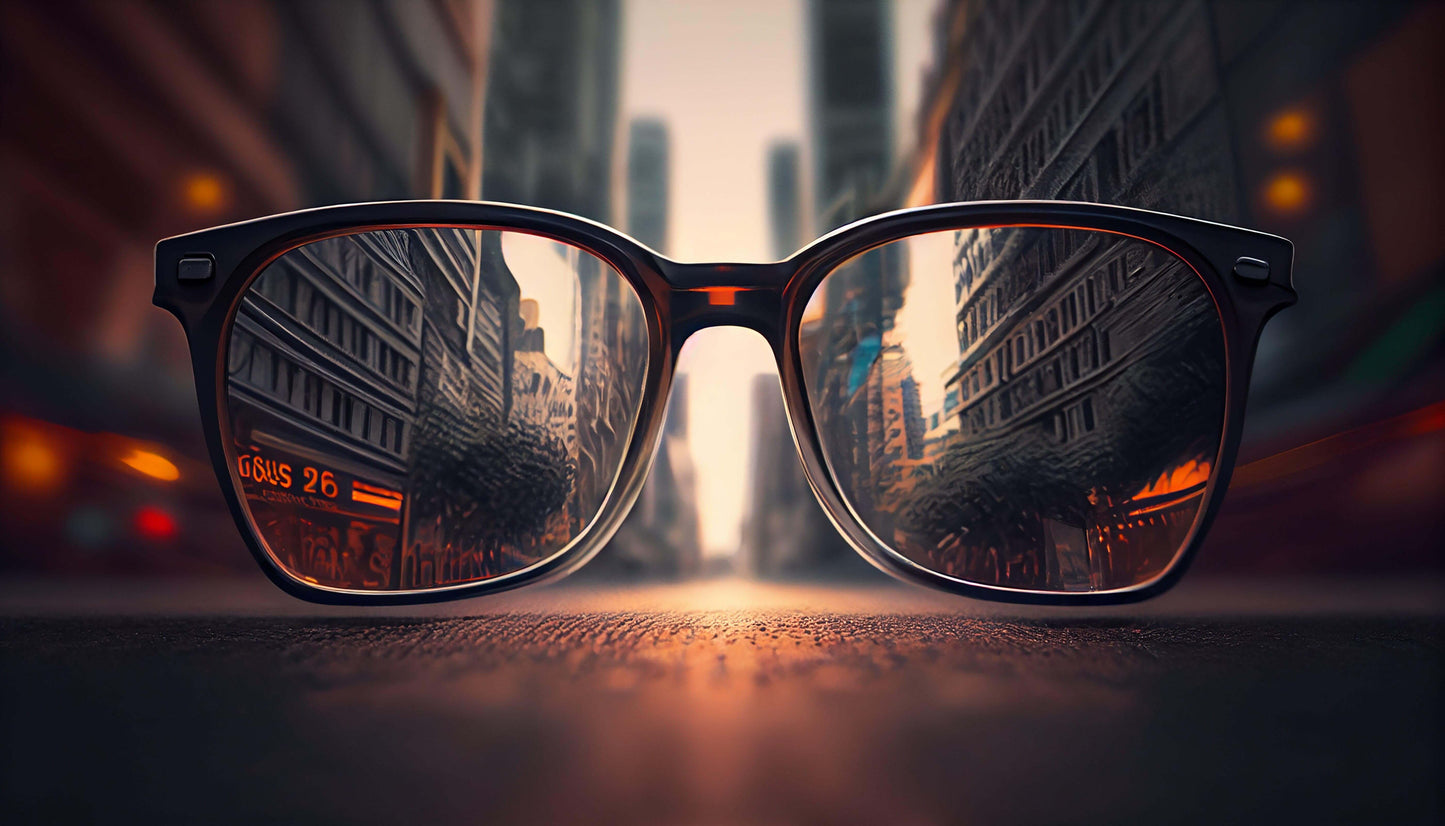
(1270, 115)
(133, 120)
(785, 198)
(850, 76)
(647, 182)
(551, 107)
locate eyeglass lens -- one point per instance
(1020, 407)
(419, 408)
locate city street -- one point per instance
(720, 702)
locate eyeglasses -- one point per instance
(1016, 401)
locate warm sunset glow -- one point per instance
(1290, 129)
(1191, 474)
(1287, 193)
(151, 464)
(204, 192)
(32, 463)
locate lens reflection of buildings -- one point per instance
(1072, 442)
(398, 421)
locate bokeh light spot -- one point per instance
(1287, 193)
(151, 464)
(204, 192)
(153, 523)
(1290, 129)
(89, 527)
(32, 464)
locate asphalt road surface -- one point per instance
(717, 703)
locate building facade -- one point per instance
(551, 108)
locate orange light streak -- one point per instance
(390, 501)
(151, 464)
(1190, 474)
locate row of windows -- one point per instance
(1141, 127)
(993, 119)
(1034, 266)
(1022, 390)
(346, 260)
(257, 366)
(1011, 364)
(1031, 153)
(288, 288)
(992, 137)
(1073, 421)
(1064, 425)
(1075, 308)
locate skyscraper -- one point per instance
(647, 181)
(785, 198)
(552, 105)
(850, 75)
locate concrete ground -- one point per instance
(721, 702)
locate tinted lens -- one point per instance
(1028, 408)
(428, 407)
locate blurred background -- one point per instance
(716, 131)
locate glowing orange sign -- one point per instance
(314, 486)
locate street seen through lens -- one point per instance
(402, 418)
(1020, 407)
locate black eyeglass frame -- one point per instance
(1247, 273)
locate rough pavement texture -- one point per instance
(691, 709)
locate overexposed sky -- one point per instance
(729, 79)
